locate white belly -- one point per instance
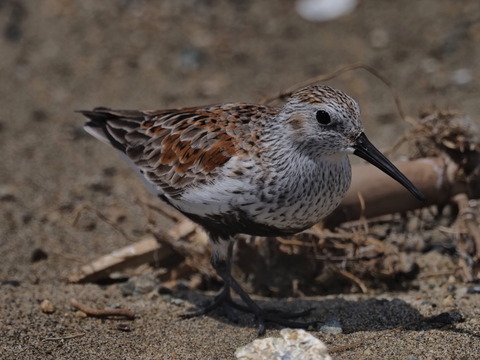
(296, 199)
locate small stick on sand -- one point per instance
(104, 312)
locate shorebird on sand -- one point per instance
(246, 169)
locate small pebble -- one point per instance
(38, 255)
(124, 327)
(327, 329)
(7, 193)
(139, 285)
(461, 292)
(462, 76)
(332, 327)
(47, 307)
(177, 301)
(14, 283)
(367, 352)
(145, 284)
(167, 297)
(474, 289)
(191, 58)
(118, 276)
(449, 300)
(127, 288)
(80, 314)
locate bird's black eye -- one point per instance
(323, 117)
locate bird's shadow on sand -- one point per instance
(348, 315)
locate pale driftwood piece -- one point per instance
(435, 177)
(151, 249)
(190, 241)
(144, 251)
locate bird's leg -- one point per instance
(223, 298)
(221, 261)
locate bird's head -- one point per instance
(325, 122)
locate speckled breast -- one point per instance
(301, 198)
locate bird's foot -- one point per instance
(223, 300)
(262, 316)
(274, 312)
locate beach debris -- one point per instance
(47, 307)
(294, 344)
(102, 312)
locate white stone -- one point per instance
(323, 10)
(294, 344)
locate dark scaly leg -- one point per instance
(221, 261)
(223, 298)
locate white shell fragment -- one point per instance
(294, 344)
(323, 10)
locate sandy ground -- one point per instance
(59, 56)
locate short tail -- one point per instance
(112, 126)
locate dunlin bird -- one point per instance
(246, 168)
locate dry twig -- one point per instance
(103, 312)
(355, 279)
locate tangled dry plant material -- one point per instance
(453, 136)
(369, 242)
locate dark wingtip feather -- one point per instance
(99, 114)
(97, 126)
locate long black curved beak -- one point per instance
(365, 149)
